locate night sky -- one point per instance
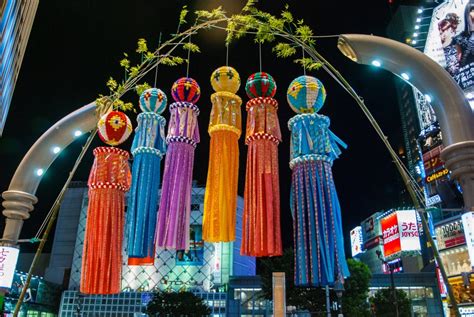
(76, 45)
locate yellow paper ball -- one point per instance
(225, 78)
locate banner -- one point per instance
(8, 259)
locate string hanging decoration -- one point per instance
(148, 148)
(173, 218)
(225, 128)
(109, 179)
(261, 234)
(317, 227)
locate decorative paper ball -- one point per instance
(186, 89)
(114, 128)
(225, 78)
(306, 94)
(153, 100)
(260, 85)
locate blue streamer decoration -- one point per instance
(148, 148)
(319, 246)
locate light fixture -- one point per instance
(77, 133)
(428, 98)
(39, 171)
(56, 149)
(418, 20)
(469, 95)
(415, 34)
(405, 76)
(376, 63)
(413, 42)
(417, 27)
(420, 10)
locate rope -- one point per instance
(157, 62)
(260, 54)
(227, 56)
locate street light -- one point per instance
(392, 282)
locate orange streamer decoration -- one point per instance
(102, 255)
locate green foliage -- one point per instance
(215, 14)
(149, 55)
(166, 304)
(384, 304)
(141, 46)
(305, 33)
(308, 63)
(141, 88)
(191, 47)
(125, 63)
(112, 84)
(354, 299)
(284, 50)
(134, 71)
(172, 60)
(182, 15)
(118, 104)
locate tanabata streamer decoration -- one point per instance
(225, 127)
(183, 135)
(109, 179)
(319, 246)
(148, 148)
(261, 219)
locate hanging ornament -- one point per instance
(109, 179)
(261, 219)
(220, 200)
(319, 247)
(172, 229)
(148, 149)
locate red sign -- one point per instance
(390, 235)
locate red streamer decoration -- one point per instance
(102, 254)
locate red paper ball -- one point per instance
(114, 128)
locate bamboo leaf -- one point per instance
(141, 88)
(182, 15)
(141, 46)
(191, 47)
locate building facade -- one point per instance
(205, 270)
(15, 25)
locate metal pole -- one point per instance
(328, 302)
(394, 290)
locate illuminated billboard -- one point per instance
(450, 235)
(449, 40)
(400, 232)
(356, 241)
(371, 231)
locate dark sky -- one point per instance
(76, 45)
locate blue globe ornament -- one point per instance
(153, 100)
(306, 94)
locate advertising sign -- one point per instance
(449, 40)
(8, 259)
(390, 234)
(371, 231)
(450, 235)
(400, 232)
(356, 241)
(409, 233)
(468, 224)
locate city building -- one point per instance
(207, 270)
(393, 243)
(15, 25)
(41, 299)
(419, 26)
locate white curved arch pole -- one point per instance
(454, 114)
(20, 196)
